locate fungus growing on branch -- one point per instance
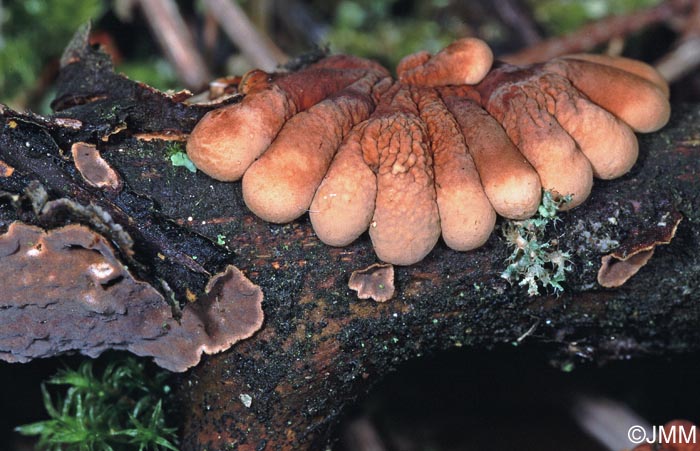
(466, 215)
(94, 169)
(374, 282)
(509, 181)
(624, 262)
(65, 290)
(227, 140)
(280, 185)
(441, 151)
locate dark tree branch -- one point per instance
(320, 346)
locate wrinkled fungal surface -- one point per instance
(440, 152)
(64, 290)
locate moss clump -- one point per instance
(121, 409)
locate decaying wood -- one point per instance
(320, 346)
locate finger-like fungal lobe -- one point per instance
(509, 181)
(637, 98)
(464, 62)
(440, 152)
(280, 185)
(391, 158)
(575, 117)
(632, 66)
(227, 140)
(519, 101)
(406, 224)
(466, 215)
(343, 205)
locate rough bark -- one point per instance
(321, 347)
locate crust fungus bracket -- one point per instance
(619, 266)
(65, 290)
(374, 282)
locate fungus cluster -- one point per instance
(439, 152)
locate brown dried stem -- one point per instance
(686, 55)
(174, 38)
(596, 33)
(517, 18)
(259, 50)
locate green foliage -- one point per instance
(153, 71)
(34, 31)
(565, 16)
(120, 410)
(534, 259)
(373, 29)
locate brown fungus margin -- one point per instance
(64, 290)
(619, 266)
(5, 169)
(374, 282)
(94, 169)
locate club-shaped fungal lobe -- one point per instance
(441, 151)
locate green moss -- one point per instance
(178, 157)
(120, 409)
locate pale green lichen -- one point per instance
(178, 157)
(535, 260)
(181, 159)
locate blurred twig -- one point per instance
(361, 435)
(259, 50)
(596, 33)
(607, 420)
(260, 12)
(176, 41)
(513, 15)
(295, 16)
(682, 60)
(686, 55)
